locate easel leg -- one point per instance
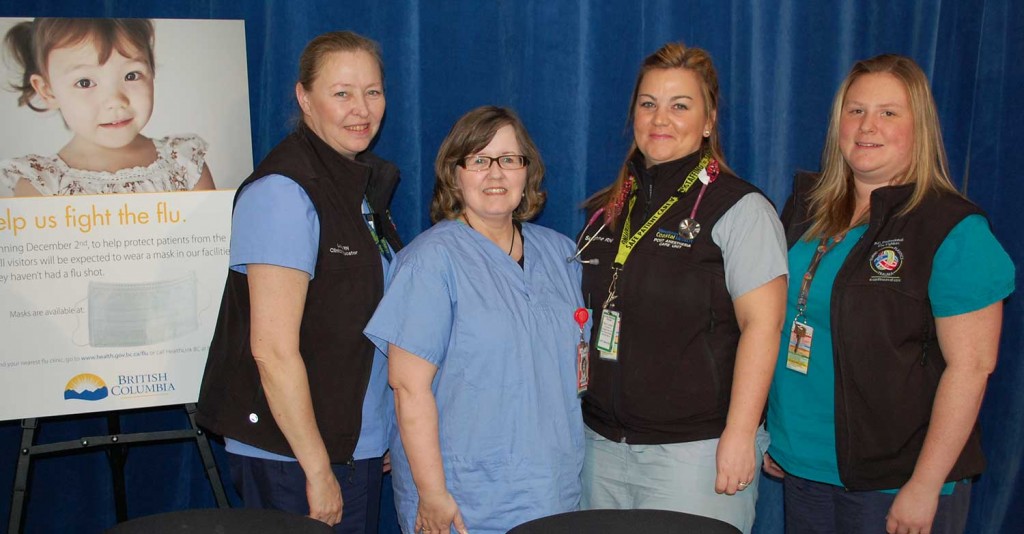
(117, 455)
(209, 464)
(28, 433)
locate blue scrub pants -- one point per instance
(819, 508)
(282, 486)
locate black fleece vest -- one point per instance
(677, 344)
(885, 350)
(346, 287)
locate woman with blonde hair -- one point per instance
(297, 391)
(894, 326)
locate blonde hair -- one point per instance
(470, 134)
(669, 56)
(831, 201)
(322, 46)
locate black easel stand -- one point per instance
(117, 449)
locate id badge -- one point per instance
(582, 367)
(798, 352)
(608, 335)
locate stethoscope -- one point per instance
(688, 227)
(579, 241)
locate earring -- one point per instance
(707, 133)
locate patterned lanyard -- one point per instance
(371, 223)
(824, 245)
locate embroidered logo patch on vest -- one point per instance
(886, 262)
(344, 250)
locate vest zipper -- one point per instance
(254, 417)
(924, 343)
(710, 354)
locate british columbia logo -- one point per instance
(886, 262)
(87, 387)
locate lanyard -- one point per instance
(627, 242)
(371, 220)
(824, 246)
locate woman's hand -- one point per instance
(969, 343)
(736, 462)
(438, 513)
(769, 466)
(277, 296)
(759, 313)
(913, 510)
(324, 496)
(416, 410)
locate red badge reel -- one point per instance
(582, 352)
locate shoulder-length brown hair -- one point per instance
(669, 56)
(832, 201)
(471, 134)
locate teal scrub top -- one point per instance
(801, 408)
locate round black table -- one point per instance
(223, 521)
(625, 521)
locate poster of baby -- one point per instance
(121, 141)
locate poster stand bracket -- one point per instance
(116, 444)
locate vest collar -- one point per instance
(661, 180)
(887, 200)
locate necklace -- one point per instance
(510, 245)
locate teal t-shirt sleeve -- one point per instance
(971, 270)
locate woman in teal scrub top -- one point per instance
(893, 320)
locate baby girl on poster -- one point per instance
(99, 74)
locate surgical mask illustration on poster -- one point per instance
(121, 144)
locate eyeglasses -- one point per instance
(509, 162)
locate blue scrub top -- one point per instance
(801, 408)
(504, 341)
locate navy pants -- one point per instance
(815, 507)
(282, 486)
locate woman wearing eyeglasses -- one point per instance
(480, 324)
(686, 271)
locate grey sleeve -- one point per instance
(753, 244)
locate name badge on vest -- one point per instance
(608, 335)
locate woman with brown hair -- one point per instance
(687, 277)
(480, 323)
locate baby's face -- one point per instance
(106, 105)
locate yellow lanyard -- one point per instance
(627, 242)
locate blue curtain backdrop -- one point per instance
(568, 68)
